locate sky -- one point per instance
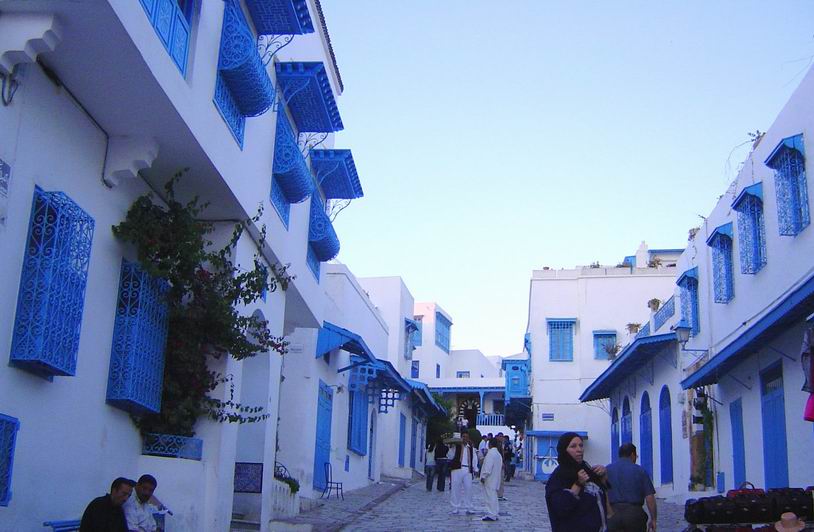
(495, 138)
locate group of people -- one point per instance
(456, 458)
(129, 507)
(599, 498)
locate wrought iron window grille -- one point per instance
(751, 229)
(788, 162)
(722, 268)
(172, 446)
(8, 439)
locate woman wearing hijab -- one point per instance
(575, 492)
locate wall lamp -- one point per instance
(683, 330)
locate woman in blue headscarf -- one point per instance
(575, 492)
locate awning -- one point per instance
(755, 190)
(308, 94)
(390, 376)
(280, 17)
(334, 337)
(788, 143)
(336, 173)
(692, 273)
(631, 359)
(721, 230)
(421, 389)
(796, 306)
(289, 168)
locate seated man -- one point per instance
(105, 513)
(138, 509)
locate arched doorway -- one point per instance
(468, 410)
(646, 435)
(665, 436)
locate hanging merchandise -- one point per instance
(808, 371)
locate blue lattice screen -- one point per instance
(560, 340)
(442, 331)
(751, 234)
(722, 269)
(792, 191)
(52, 286)
(357, 422)
(644, 331)
(689, 303)
(602, 342)
(8, 438)
(279, 202)
(664, 313)
(139, 338)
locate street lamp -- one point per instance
(683, 330)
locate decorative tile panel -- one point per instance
(52, 286)
(139, 338)
(172, 446)
(248, 477)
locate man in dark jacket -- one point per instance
(105, 513)
(631, 488)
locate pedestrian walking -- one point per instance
(575, 492)
(631, 489)
(462, 465)
(508, 456)
(440, 455)
(429, 464)
(490, 476)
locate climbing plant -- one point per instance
(206, 291)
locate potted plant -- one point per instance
(633, 328)
(654, 304)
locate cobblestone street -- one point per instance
(400, 506)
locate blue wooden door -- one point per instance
(627, 422)
(646, 435)
(738, 448)
(402, 436)
(614, 435)
(775, 454)
(546, 457)
(666, 436)
(322, 447)
(413, 436)
(371, 450)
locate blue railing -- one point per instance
(172, 446)
(664, 313)
(491, 420)
(644, 331)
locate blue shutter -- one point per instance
(646, 435)
(561, 340)
(8, 439)
(666, 436)
(402, 436)
(322, 444)
(357, 422)
(417, 334)
(172, 26)
(52, 286)
(139, 337)
(738, 447)
(775, 448)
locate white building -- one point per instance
(577, 317)
(103, 102)
(745, 288)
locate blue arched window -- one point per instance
(614, 434)
(646, 435)
(627, 422)
(665, 436)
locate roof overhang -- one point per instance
(308, 94)
(332, 337)
(280, 17)
(692, 273)
(423, 392)
(336, 174)
(631, 359)
(788, 143)
(720, 231)
(755, 191)
(796, 306)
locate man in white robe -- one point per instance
(491, 474)
(463, 461)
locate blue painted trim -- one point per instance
(795, 306)
(755, 190)
(725, 230)
(555, 433)
(309, 96)
(692, 273)
(738, 443)
(336, 172)
(560, 320)
(632, 357)
(666, 435)
(280, 17)
(789, 143)
(332, 337)
(604, 331)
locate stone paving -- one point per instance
(401, 506)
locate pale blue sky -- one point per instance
(493, 138)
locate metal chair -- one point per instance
(330, 484)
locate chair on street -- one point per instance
(330, 484)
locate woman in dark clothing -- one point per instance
(575, 492)
(441, 464)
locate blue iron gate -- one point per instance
(775, 454)
(371, 441)
(627, 422)
(646, 435)
(738, 450)
(665, 436)
(322, 447)
(615, 435)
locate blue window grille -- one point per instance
(788, 162)
(722, 269)
(280, 17)
(243, 87)
(561, 339)
(52, 286)
(321, 234)
(171, 20)
(604, 344)
(313, 262)
(461, 374)
(417, 334)
(666, 312)
(279, 201)
(357, 422)
(438, 371)
(751, 230)
(414, 365)
(688, 284)
(442, 331)
(8, 439)
(172, 446)
(139, 337)
(402, 437)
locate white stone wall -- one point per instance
(473, 361)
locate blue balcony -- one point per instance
(308, 94)
(491, 420)
(321, 235)
(172, 446)
(336, 173)
(171, 22)
(52, 286)
(280, 17)
(139, 338)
